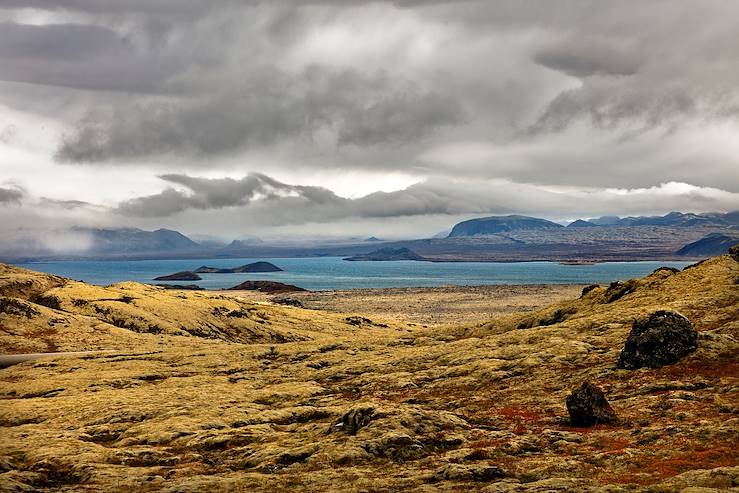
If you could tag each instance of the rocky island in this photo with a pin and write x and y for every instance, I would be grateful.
(386, 254)
(248, 268)
(180, 276)
(271, 287)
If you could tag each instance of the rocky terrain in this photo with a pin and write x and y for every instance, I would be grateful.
(429, 306)
(198, 391)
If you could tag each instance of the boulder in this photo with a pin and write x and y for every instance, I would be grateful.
(588, 289)
(466, 472)
(662, 338)
(588, 406)
(734, 252)
(354, 419)
(398, 447)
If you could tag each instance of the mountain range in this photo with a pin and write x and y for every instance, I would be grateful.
(494, 238)
(675, 219)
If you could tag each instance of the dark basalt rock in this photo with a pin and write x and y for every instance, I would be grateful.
(588, 406)
(734, 252)
(355, 419)
(12, 306)
(588, 289)
(396, 447)
(463, 472)
(618, 290)
(289, 302)
(663, 338)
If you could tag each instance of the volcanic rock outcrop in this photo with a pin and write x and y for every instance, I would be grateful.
(588, 406)
(663, 338)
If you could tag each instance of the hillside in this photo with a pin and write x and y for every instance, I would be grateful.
(120, 241)
(500, 224)
(709, 246)
(579, 223)
(201, 391)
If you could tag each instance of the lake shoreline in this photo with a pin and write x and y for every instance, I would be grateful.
(335, 274)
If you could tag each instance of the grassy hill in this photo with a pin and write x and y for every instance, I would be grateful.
(205, 392)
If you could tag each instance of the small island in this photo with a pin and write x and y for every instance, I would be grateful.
(387, 254)
(248, 268)
(270, 287)
(180, 276)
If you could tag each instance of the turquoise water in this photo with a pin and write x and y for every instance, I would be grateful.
(327, 273)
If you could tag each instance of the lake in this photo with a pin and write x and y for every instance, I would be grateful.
(329, 273)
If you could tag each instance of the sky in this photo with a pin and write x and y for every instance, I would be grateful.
(286, 118)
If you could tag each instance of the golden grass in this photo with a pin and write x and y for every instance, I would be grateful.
(206, 392)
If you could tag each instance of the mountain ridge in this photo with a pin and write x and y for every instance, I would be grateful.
(500, 224)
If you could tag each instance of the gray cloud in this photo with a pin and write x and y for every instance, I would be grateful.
(65, 204)
(12, 195)
(215, 194)
(81, 56)
(259, 199)
(526, 97)
(361, 110)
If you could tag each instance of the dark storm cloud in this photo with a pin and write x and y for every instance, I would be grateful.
(633, 64)
(363, 111)
(11, 195)
(588, 94)
(214, 194)
(79, 56)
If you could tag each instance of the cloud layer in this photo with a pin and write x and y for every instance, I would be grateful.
(267, 201)
(245, 107)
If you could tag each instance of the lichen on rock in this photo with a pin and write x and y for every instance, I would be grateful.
(662, 338)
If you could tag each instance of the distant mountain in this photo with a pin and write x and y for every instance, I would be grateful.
(133, 240)
(385, 254)
(582, 224)
(373, 239)
(711, 245)
(242, 244)
(673, 219)
(442, 234)
(605, 220)
(500, 224)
